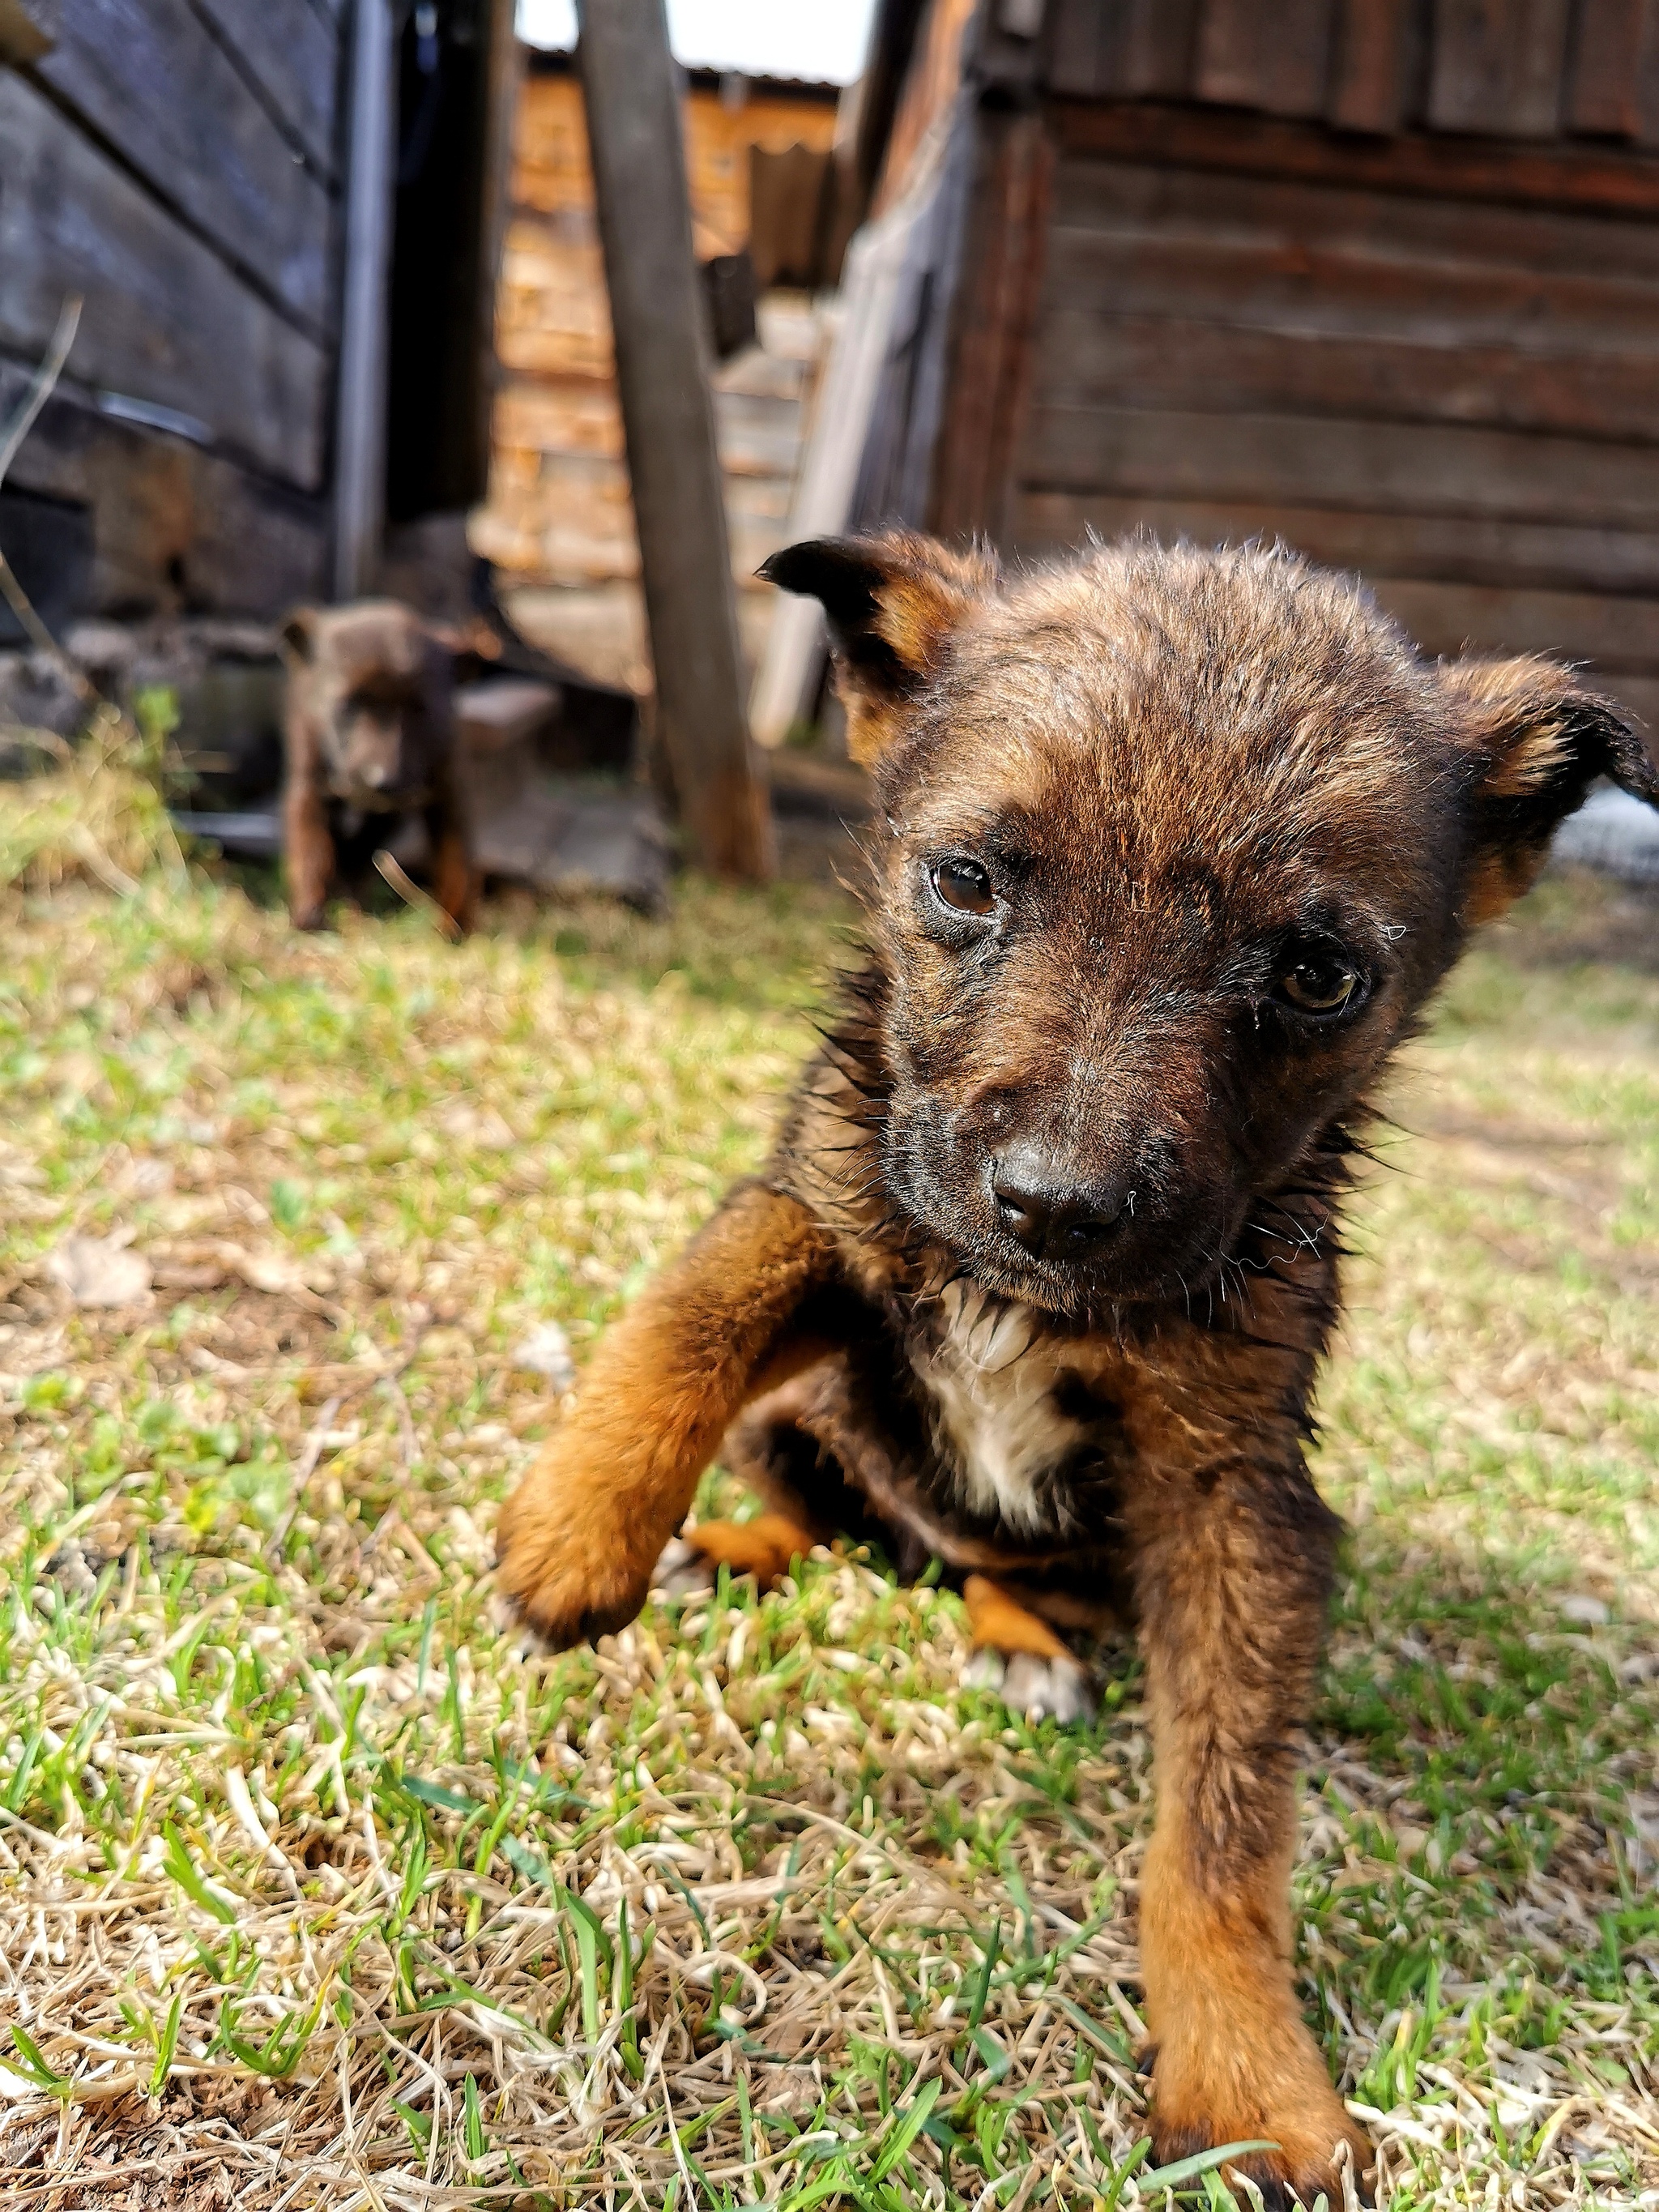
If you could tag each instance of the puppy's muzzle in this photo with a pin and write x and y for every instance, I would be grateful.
(1050, 1214)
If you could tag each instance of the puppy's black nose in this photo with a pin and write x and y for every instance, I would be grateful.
(1053, 1218)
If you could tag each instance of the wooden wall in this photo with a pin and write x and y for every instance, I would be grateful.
(1502, 68)
(1428, 358)
(176, 161)
(558, 522)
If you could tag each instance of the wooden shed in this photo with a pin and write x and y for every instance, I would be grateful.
(281, 217)
(1380, 277)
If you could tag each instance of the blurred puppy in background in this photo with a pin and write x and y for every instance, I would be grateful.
(370, 733)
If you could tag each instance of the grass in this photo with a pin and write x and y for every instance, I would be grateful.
(313, 1893)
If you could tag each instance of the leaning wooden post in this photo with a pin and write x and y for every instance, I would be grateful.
(668, 417)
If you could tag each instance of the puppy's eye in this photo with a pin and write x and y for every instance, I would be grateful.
(964, 886)
(1321, 981)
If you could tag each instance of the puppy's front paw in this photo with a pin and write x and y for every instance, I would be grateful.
(1036, 1687)
(570, 1567)
(1246, 2097)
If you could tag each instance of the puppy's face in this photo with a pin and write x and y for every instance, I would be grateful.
(374, 685)
(1175, 845)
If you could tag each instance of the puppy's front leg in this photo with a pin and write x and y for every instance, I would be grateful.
(307, 848)
(581, 1535)
(454, 872)
(1233, 1569)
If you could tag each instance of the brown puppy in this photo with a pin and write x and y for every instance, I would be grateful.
(370, 737)
(1175, 845)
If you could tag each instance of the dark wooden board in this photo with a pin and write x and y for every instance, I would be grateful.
(1133, 49)
(1154, 52)
(1513, 175)
(1081, 41)
(1387, 467)
(1372, 63)
(1451, 548)
(1090, 359)
(1263, 286)
(1275, 57)
(1616, 635)
(1640, 696)
(1137, 197)
(166, 320)
(162, 91)
(993, 317)
(292, 52)
(242, 545)
(1498, 66)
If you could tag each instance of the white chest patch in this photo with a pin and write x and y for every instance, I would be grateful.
(992, 1382)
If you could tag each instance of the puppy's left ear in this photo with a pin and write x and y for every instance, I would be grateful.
(1540, 738)
(893, 602)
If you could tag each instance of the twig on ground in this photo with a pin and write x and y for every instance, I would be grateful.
(43, 383)
(407, 889)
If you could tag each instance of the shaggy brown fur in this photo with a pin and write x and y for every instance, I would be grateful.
(370, 738)
(1175, 846)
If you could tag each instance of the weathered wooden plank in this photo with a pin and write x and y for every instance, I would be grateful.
(1615, 57)
(1611, 634)
(992, 319)
(1080, 43)
(1385, 467)
(1275, 59)
(292, 52)
(1154, 48)
(1456, 549)
(1498, 66)
(166, 320)
(1640, 694)
(1141, 196)
(171, 524)
(1438, 168)
(1371, 63)
(1267, 287)
(161, 90)
(1088, 359)
(1133, 49)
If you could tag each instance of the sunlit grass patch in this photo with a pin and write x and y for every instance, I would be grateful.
(313, 1888)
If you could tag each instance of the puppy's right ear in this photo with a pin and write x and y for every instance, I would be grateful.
(893, 602)
(299, 634)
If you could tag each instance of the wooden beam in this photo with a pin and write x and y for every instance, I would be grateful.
(360, 433)
(668, 420)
